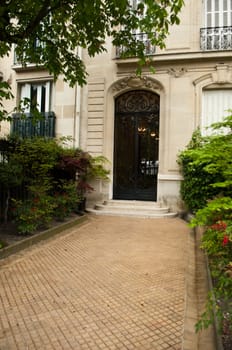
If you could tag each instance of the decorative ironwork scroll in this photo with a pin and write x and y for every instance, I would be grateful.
(217, 38)
(138, 101)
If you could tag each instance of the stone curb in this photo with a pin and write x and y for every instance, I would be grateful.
(29, 241)
(216, 325)
(197, 288)
(207, 337)
(190, 338)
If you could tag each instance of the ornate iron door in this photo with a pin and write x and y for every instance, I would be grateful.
(136, 145)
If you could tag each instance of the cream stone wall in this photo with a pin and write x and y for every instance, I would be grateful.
(176, 122)
(67, 110)
(7, 75)
(182, 70)
(64, 100)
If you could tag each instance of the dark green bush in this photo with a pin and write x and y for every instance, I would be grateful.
(54, 178)
(206, 166)
(196, 187)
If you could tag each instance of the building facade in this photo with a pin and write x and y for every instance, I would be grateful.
(140, 124)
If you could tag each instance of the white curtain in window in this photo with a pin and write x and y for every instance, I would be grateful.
(215, 106)
(39, 93)
(25, 93)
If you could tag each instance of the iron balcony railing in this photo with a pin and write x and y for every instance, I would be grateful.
(28, 126)
(149, 49)
(37, 45)
(217, 38)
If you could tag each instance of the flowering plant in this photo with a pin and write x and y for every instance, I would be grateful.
(217, 243)
(217, 239)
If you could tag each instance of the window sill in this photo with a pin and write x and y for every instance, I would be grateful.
(18, 67)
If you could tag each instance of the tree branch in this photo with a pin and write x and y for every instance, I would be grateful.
(23, 33)
(46, 9)
(33, 24)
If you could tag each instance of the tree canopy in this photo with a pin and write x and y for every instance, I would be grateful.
(49, 32)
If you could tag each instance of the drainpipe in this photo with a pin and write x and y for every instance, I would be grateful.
(77, 109)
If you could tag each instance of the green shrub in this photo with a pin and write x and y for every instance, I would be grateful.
(206, 166)
(46, 167)
(196, 188)
(35, 212)
(10, 177)
(38, 156)
(216, 218)
(77, 164)
(66, 199)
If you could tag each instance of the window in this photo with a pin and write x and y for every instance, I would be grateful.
(38, 94)
(149, 49)
(215, 106)
(37, 45)
(218, 13)
(217, 34)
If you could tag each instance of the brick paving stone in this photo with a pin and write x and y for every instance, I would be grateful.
(113, 283)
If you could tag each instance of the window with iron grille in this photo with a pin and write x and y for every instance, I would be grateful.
(217, 31)
(39, 95)
(149, 48)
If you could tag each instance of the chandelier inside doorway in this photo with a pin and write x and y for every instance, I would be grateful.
(143, 131)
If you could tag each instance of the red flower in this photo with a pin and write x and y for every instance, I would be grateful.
(226, 240)
(219, 226)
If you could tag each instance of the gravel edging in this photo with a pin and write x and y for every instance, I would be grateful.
(29, 241)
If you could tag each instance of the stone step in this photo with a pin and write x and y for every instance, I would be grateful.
(140, 213)
(148, 208)
(131, 203)
(131, 208)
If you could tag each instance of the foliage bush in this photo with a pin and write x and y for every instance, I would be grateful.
(38, 156)
(35, 212)
(207, 164)
(65, 199)
(77, 164)
(10, 177)
(216, 218)
(55, 179)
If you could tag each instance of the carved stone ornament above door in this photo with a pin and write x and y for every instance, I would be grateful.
(177, 72)
(136, 82)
